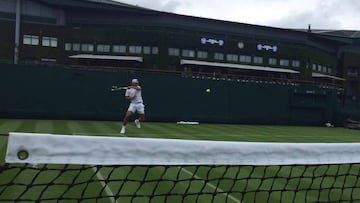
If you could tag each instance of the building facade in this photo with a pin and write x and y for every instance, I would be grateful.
(108, 34)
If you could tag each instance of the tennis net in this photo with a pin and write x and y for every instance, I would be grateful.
(61, 168)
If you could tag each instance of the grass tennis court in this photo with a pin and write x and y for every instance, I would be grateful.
(148, 176)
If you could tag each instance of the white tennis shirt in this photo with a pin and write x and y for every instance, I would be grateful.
(133, 92)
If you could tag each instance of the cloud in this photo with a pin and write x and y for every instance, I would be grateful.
(171, 6)
(160, 5)
(303, 19)
(333, 14)
(355, 4)
(329, 14)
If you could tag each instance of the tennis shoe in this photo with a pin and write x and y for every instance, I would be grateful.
(122, 130)
(137, 123)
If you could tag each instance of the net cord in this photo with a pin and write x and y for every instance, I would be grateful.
(36, 148)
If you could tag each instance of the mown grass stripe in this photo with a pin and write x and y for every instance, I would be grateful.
(84, 127)
(103, 127)
(3, 147)
(115, 126)
(157, 130)
(9, 125)
(60, 127)
(44, 126)
(27, 126)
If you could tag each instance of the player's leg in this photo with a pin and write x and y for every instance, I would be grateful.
(129, 113)
(141, 111)
(141, 117)
(126, 118)
(125, 121)
(137, 121)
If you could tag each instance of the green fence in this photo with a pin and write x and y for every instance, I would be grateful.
(40, 91)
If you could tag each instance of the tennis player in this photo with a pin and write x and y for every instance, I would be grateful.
(133, 93)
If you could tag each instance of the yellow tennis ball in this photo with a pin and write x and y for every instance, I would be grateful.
(207, 90)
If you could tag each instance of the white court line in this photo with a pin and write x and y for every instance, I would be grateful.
(100, 177)
(113, 200)
(108, 191)
(212, 186)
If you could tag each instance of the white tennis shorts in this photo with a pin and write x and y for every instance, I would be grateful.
(139, 108)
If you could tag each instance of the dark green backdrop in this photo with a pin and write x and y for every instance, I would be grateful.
(29, 91)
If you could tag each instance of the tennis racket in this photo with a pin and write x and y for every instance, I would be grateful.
(117, 88)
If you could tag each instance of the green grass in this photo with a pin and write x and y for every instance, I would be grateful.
(287, 178)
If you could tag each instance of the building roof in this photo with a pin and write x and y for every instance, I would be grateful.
(98, 4)
(335, 33)
(110, 2)
(116, 3)
(338, 35)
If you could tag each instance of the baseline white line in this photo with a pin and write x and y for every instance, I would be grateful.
(108, 191)
(212, 186)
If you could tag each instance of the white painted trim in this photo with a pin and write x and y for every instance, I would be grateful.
(319, 75)
(108, 57)
(237, 66)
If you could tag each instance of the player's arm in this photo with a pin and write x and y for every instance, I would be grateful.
(129, 95)
(137, 87)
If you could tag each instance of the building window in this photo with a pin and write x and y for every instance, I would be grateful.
(272, 61)
(49, 42)
(67, 46)
(135, 49)
(48, 60)
(202, 54)
(31, 40)
(232, 57)
(155, 50)
(258, 60)
(147, 50)
(295, 63)
(188, 53)
(76, 47)
(46, 41)
(314, 67)
(245, 59)
(325, 69)
(103, 48)
(284, 62)
(119, 49)
(174, 52)
(319, 68)
(87, 47)
(219, 56)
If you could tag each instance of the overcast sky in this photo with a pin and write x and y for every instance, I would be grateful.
(321, 14)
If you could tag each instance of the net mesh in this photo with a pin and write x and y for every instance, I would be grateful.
(200, 183)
